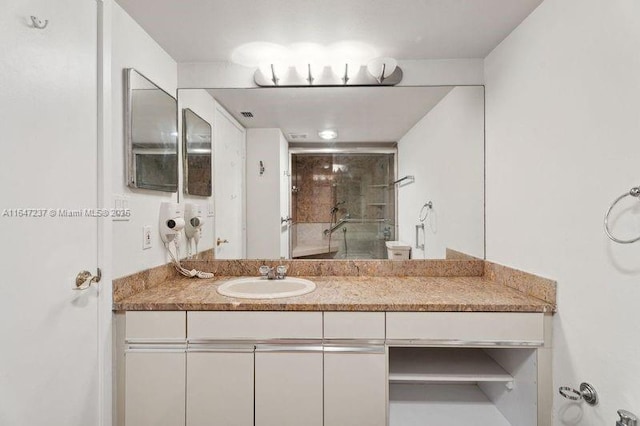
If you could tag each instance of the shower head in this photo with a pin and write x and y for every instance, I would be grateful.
(334, 209)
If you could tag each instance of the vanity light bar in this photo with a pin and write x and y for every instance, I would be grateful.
(290, 77)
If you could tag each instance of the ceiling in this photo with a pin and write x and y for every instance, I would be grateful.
(359, 114)
(209, 30)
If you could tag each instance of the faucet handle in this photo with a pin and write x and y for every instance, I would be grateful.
(627, 418)
(281, 270)
(264, 270)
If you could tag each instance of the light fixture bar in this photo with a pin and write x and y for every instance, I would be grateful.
(306, 78)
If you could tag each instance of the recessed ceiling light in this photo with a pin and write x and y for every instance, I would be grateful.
(328, 134)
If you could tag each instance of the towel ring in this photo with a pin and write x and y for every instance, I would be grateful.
(424, 211)
(633, 192)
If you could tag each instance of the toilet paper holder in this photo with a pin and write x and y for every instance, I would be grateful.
(587, 392)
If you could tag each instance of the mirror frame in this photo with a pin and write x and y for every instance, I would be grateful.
(128, 135)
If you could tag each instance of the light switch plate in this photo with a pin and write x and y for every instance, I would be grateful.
(121, 207)
(146, 237)
(211, 210)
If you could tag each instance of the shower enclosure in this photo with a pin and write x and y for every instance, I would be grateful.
(343, 204)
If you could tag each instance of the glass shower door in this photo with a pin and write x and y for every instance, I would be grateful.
(369, 205)
(344, 205)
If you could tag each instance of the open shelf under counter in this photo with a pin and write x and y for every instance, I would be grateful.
(450, 405)
(444, 365)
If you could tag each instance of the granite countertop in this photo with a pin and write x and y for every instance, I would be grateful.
(345, 293)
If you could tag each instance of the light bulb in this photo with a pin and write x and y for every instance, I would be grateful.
(308, 57)
(348, 56)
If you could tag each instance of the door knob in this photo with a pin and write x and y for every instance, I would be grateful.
(221, 242)
(84, 279)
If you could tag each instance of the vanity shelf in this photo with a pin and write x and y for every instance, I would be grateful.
(458, 386)
(451, 405)
(444, 365)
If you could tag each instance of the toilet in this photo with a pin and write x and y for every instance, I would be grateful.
(397, 250)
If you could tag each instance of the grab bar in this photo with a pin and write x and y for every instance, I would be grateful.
(418, 228)
(408, 177)
(337, 225)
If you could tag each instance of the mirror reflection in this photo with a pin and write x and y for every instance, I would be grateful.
(348, 173)
(151, 135)
(342, 205)
(196, 137)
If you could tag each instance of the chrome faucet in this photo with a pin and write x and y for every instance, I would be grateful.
(270, 273)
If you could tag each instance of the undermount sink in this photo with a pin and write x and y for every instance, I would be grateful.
(262, 288)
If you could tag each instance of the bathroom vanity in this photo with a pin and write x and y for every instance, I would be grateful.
(375, 351)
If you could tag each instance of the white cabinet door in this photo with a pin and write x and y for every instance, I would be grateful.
(155, 388)
(220, 388)
(288, 386)
(355, 386)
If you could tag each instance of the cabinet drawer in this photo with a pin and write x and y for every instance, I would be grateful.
(354, 325)
(254, 325)
(467, 327)
(154, 325)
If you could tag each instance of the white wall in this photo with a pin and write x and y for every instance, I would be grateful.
(563, 140)
(134, 48)
(445, 153)
(200, 102)
(264, 192)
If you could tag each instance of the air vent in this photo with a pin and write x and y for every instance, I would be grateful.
(247, 114)
(297, 136)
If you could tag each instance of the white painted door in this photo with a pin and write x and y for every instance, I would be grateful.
(48, 122)
(285, 191)
(229, 187)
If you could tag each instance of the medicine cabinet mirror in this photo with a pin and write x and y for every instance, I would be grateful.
(196, 146)
(151, 134)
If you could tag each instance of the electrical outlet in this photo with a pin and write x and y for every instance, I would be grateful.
(146, 237)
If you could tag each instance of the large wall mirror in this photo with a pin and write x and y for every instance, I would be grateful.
(196, 148)
(151, 134)
(406, 165)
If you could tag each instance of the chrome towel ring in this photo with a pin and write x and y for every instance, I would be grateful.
(633, 192)
(424, 211)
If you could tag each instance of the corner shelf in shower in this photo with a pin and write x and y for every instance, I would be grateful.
(377, 204)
